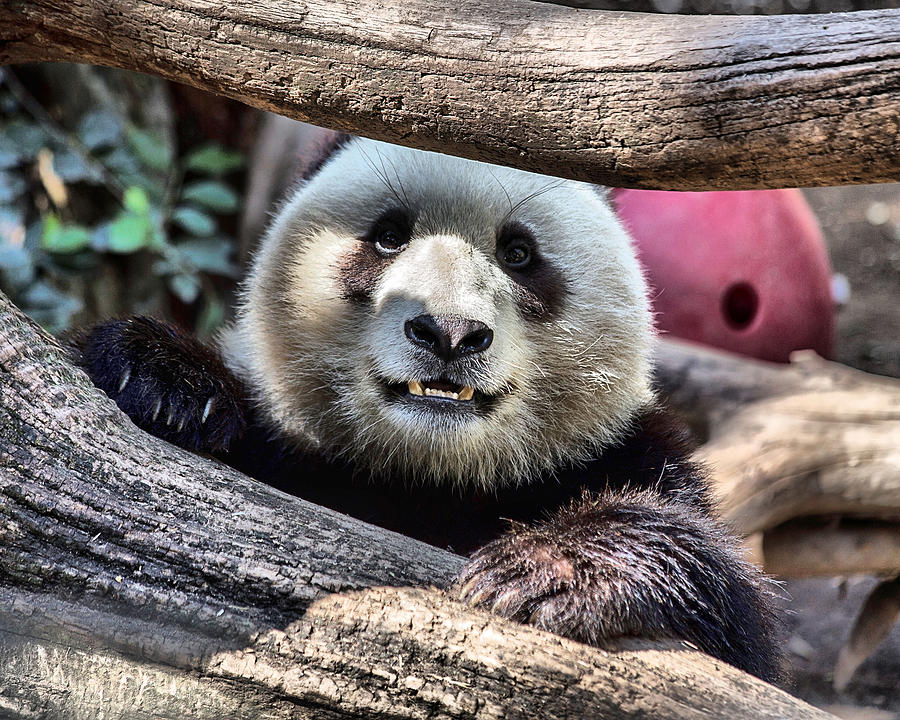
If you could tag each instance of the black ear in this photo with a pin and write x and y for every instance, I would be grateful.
(321, 151)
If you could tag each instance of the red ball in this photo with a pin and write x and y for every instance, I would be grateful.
(746, 271)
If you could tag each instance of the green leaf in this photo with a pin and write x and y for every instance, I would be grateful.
(9, 153)
(213, 160)
(213, 195)
(50, 230)
(100, 129)
(8, 104)
(136, 200)
(16, 267)
(128, 233)
(194, 221)
(50, 307)
(12, 224)
(150, 149)
(59, 238)
(161, 268)
(125, 166)
(186, 287)
(211, 256)
(212, 316)
(12, 185)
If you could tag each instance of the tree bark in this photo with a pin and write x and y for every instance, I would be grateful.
(138, 580)
(670, 102)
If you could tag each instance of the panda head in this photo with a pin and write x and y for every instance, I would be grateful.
(437, 319)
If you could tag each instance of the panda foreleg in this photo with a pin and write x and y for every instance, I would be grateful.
(166, 381)
(629, 564)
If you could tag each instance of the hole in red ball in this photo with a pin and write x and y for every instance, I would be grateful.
(740, 305)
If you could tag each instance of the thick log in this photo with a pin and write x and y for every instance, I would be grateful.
(638, 100)
(138, 580)
(787, 441)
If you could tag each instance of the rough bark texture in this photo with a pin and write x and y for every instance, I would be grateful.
(670, 102)
(802, 549)
(137, 580)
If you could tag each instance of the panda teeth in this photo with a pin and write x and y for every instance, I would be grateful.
(465, 393)
(441, 394)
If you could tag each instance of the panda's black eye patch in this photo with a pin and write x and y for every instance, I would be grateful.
(538, 286)
(391, 232)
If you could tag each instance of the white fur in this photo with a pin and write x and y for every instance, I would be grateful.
(569, 383)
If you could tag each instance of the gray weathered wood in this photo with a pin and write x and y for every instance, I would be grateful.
(139, 581)
(671, 102)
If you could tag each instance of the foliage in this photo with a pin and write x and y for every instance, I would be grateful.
(104, 188)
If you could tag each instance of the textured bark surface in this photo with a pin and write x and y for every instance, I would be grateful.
(672, 102)
(139, 581)
(803, 549)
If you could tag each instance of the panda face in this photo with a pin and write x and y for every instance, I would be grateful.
(442, 320)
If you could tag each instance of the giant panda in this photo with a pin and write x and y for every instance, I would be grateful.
(462, 353)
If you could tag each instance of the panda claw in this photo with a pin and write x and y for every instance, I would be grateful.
(156, 409)
(207, 409)
(123, 381)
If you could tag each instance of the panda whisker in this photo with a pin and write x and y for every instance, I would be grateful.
(406, 203)
(503, 188)
(532, 196)
(522, 354)
(382, 176)
(590, 347)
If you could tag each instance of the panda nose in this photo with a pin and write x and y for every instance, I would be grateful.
(449, 336)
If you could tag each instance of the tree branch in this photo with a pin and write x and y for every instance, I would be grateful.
(671, 102)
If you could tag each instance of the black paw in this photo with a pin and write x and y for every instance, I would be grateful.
(631, 565)
(168, 383)
(526, 576)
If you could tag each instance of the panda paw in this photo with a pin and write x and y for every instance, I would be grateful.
(633, 564)
(168, 383)
(531, 578)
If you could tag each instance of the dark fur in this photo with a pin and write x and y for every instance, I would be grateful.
(359, 272)
(150, 369)
(326, 152)
(621, 546)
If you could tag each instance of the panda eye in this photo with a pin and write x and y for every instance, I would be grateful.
(390, 233)
(515, 247)
(516, 256)
(389, 241)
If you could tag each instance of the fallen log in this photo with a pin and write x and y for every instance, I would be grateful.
(787, 441)
(138, 580)
(628, 99)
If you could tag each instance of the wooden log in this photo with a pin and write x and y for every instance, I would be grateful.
(796, 550)
(638, 100)
(138, 580)
(787, 441)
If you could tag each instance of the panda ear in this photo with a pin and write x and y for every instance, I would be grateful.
(321, 145)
